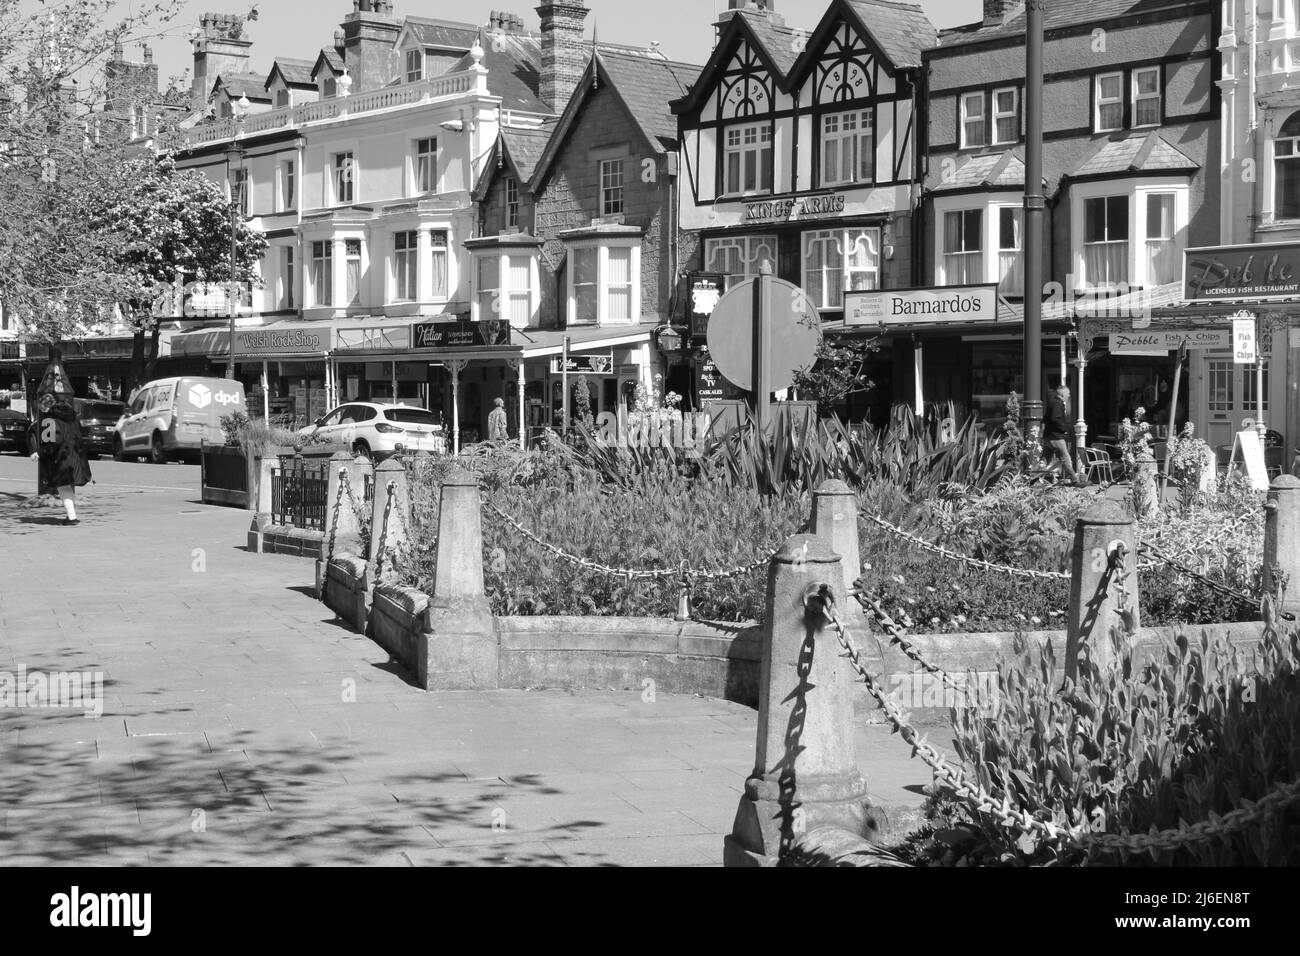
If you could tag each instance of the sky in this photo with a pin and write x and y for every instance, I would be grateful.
(299, 28)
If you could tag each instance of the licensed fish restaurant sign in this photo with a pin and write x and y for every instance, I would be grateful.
(1161, 342)
(1256, 272)
(461, 334)
(941, 304)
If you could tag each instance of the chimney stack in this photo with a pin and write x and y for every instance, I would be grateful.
(564, 54)
(219, 47)
(998, 12)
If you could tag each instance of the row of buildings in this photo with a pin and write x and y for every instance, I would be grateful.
(453, 208)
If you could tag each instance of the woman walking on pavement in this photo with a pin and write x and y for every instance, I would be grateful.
(63, 466)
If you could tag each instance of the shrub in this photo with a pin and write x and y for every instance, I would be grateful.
(1187, 737)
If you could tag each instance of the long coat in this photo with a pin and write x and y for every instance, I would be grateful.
(62, 458)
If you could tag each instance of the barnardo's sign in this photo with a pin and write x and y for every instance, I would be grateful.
(1162, 341)
(1256, 272)
(975, 303)
(294, 340)
(461, 334)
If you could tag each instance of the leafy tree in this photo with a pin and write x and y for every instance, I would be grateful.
(57, 277)
(167, 223)
(839, 371)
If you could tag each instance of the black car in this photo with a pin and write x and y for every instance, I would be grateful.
(99, 420)
(13, 431)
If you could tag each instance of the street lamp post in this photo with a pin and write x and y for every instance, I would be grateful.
(1032, 406)
(235, 153)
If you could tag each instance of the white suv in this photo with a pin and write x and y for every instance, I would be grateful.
(378, 431)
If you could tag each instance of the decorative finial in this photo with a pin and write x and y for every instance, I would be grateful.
(476, 53)
(345, 83)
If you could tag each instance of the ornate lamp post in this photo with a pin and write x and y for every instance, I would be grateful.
(1032, 406)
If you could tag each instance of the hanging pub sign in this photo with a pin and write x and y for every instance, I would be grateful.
(584, 365)
(706, 289)
(1244, 351)
(1255, 272)
(462, 334)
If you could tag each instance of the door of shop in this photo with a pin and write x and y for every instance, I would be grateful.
(1231, 397)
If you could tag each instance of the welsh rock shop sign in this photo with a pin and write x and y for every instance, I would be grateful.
(288, 341)
(1235, 273)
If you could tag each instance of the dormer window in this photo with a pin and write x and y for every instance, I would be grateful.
(414, 66)
(281, 98)
(329, 87)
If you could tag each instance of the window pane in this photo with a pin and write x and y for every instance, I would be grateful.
(1112, 116)
(1110, 86)
(1117, 218)
(585, 266)
(489, 272)
(1160, 217)
(1288, 189)
(619, 267)
(1146, 81)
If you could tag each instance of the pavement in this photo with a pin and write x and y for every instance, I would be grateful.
(241, 724)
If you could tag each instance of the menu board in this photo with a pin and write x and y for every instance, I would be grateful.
(710, 386)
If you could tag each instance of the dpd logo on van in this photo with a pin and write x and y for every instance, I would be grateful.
(201, 397)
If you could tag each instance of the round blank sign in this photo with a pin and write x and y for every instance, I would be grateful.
(795, 333)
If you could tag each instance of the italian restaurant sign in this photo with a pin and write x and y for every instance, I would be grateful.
(461, 334)
(1248, 272)
(976, 303)
(1159, 342)
(790, 210)
(297, 340)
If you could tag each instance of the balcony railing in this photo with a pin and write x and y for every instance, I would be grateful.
(374, 101)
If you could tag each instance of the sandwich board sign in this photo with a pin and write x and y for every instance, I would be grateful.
(1252, 454)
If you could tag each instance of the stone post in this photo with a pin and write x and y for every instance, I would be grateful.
(1103, 591)
(342, 519)
(806, 771)
(458, 649)
(835, 521)
(263, 474)
(1282, 539)
(1145, 497)
(390, 532)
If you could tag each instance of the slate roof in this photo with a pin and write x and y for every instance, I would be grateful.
(513, 62)
(329, 57)
(990, 171)
(647, 85)
(1135, 154)
(252, 85)
(295, 73)
(449, 34)
(777, 42)
(902, 30)
(1058, 13)
(526, 146)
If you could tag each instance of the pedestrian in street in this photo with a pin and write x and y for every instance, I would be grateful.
(1056, 429)
(497, 430)
(62, 463)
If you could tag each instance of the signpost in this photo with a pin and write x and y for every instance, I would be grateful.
(760, 334)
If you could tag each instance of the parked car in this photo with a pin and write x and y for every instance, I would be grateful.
(13, 431)
(379, 431)
(173, 417)
(99, 420)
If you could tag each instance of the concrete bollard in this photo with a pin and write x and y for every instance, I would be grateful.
(806, 770)
(391, 534)
(458, 649)
(1282, 539)
(835, 521)
(1103, 592)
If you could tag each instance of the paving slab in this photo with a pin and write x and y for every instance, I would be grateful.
(226, 739)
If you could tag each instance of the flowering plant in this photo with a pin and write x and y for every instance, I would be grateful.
(1134, 439)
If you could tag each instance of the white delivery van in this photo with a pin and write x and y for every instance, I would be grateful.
(173, 417)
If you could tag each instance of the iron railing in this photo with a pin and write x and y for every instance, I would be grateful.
(299, 489)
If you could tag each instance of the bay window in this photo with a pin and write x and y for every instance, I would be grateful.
(404, 266)
(604, 282)
(840, 260)
(748, 159)
(438, 264)
(322, 272)
(1105, 243)
(505, 285)
(740, 257)
(1011, 254)
(963, 247)
(848, 148)
(352, 271)
(1286, 170)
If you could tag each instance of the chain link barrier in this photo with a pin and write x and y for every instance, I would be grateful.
(1279, 799)
(683, 573)
(943, 552)
(1245, 600)
(383, 534)
(334, 521)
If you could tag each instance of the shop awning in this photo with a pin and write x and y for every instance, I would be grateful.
(274, 341)
(542, 343)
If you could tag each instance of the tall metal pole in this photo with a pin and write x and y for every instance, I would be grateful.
(762, 345)
(1032, 405)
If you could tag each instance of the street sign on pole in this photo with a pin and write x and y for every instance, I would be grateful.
(793, 332)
